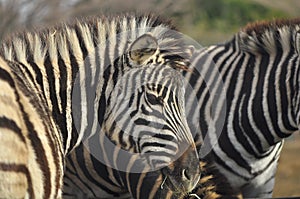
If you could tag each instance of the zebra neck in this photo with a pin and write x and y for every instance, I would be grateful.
(296, 92)
(263, 97)
(260, 94)
(72, 82)
(90, 96)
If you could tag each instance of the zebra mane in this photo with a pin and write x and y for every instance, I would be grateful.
(270, 36)
(92, 31)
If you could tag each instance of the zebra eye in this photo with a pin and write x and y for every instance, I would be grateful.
(154, 100)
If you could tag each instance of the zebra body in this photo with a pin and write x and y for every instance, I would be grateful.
(247, 98)
(109, 84)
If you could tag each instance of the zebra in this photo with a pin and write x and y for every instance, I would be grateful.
(247, 101)
(84, 178)
(111, 84)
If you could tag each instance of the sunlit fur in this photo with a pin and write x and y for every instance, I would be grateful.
(31, 157)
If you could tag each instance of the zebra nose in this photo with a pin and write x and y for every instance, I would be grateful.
(183, 174)
(184, 180)
(190, 178)
(186, 174)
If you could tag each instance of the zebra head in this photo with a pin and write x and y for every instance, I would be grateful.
(147, 115)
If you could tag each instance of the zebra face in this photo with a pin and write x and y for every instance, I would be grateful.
(147, 117)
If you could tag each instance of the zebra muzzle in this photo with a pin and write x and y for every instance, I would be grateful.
(183, 174)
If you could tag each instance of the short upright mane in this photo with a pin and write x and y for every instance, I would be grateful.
(94, 31)
(264, 36)
(261, 26)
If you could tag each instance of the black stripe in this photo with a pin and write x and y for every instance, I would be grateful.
(130, 143)
(105, 78)
(51, 83)
(228, 46)
(4, 75)
(38, 149)
(17, 69)
(257, 110)
(143, 122)
(294, 88)
(224, 140)
(41, 157)
(137, 104)
(38, 74)
(34, 139)
(99, 167)
(20, 168)
(285, 82)
(203, 125)
(61, 121)
(37, 102)
(271, 100)
(241, 133)
(10, 124)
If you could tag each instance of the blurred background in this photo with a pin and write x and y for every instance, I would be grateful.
(206, 21)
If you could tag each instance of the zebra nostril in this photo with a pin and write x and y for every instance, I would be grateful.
(186, 175)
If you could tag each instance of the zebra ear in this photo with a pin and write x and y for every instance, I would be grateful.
(297, 42)
(143, 48)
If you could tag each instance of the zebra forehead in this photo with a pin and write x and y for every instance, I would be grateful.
(155, 79)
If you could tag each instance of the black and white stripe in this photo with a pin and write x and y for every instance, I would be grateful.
(31, 154)
(247, 102)
(111, 85)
